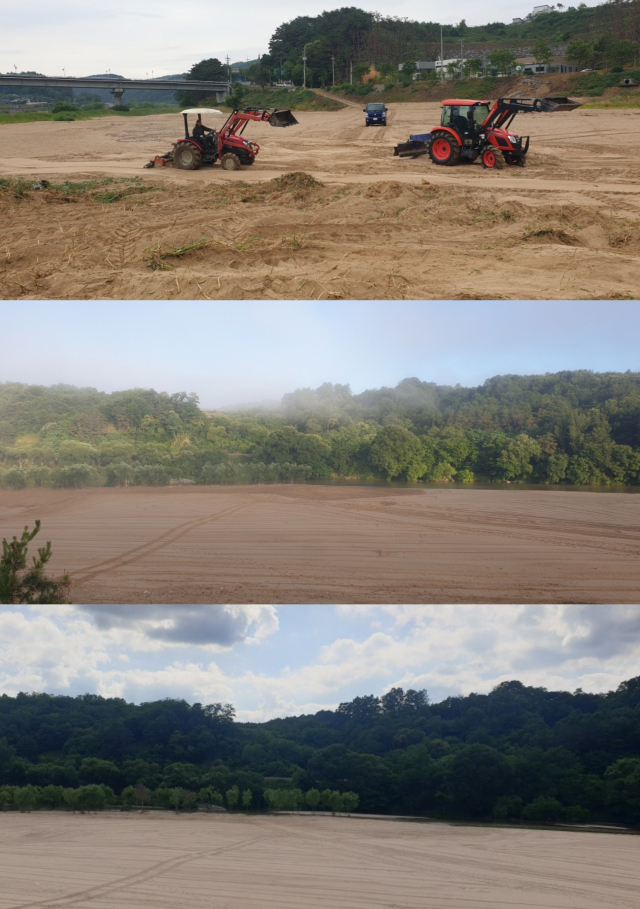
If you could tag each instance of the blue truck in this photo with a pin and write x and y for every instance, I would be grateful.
(375, 114)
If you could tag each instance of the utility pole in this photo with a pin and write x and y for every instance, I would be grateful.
(441, 54)
(333, 70)
(351, 72)
(304, 67)
(228, 69)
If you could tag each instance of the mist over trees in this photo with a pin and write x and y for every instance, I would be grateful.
(574, 428)
(519, 752)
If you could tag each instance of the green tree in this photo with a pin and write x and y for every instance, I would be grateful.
(350, 801)
(621, 52)
(25, 798)
(232, 797)
(20, 583)
(120, 474)
(623, 789)
(515, 461)
(580, 52)
(503, 60)
(246, 799)
(543, 809)
(141, 794)
(542, 52)
(474, 66)
(396, 451)
(409, 69)
(210, 70)
(14, 478)
(312, 798)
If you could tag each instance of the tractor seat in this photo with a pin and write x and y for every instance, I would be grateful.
(460, 124)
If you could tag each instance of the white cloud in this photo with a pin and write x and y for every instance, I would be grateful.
(447, 650)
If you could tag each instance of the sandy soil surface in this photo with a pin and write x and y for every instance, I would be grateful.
(320, 544)
(566, 226)
(213, 862)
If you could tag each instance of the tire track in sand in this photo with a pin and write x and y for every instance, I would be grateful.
(139, 552)
(131, 880)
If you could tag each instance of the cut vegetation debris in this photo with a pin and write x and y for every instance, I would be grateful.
(162, 251)
(109, 189)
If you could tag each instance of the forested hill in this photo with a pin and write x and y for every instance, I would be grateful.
(355, 37)
(518, 752)
(574, 427)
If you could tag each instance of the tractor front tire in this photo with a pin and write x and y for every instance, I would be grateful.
(230, 162)
(491, 159)
(444, 150)
(187, 156)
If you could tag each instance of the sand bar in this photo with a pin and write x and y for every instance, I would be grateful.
(55, 861)
(334, 544)
(566, 226)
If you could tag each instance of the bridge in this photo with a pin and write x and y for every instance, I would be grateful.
(117, 86)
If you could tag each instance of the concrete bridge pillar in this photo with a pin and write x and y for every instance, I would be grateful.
(117, 94)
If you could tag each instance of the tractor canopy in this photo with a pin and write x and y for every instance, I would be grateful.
(459, 103)
(201, 110)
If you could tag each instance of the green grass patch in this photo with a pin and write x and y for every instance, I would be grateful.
(105, 190)
(595, 84)
(282, 98)
(628, 98)
(142, 110)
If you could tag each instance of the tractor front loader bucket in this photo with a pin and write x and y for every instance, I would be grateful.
(555, 105)
(282, 118)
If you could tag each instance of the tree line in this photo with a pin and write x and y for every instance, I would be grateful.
(520, 753)
(575, 428)
(347, 42)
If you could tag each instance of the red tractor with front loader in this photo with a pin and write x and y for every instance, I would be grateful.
(477, 129)
(226, 145)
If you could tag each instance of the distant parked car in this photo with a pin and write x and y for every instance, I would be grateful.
(375, 114)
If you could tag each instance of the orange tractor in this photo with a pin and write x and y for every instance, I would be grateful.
(227, 145)
(476, 129)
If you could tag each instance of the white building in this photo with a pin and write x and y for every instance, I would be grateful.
(538, 10)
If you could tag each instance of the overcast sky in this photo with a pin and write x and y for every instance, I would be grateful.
(136, 37)
(285, 660)
(237, 352)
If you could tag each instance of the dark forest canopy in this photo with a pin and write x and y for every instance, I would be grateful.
(574, 427)
(516, 753)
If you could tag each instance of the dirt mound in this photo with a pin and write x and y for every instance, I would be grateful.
(386, 190)
(296, 181)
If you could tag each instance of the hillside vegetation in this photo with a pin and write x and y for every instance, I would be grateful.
(605, 35)
(517, 753)
(571, 427)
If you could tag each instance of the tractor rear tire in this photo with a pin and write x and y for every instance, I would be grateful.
(187, 156)
(230, 162)
(443, 149)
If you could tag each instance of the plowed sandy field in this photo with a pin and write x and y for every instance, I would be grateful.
(215, 862)
(319, 544)
(377, 227)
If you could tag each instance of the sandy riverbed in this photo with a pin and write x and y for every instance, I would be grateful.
(566, 226)
(214, 862)
(319, 544)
